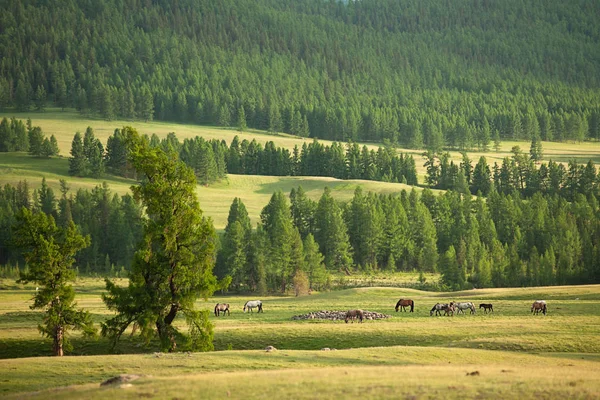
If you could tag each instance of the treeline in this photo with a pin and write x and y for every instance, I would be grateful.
(506, 241)
(113, 223)
(418, 73)
(15, 136)
(211, 160)
(518, 173)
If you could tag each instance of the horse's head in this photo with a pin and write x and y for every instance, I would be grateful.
(244, 308)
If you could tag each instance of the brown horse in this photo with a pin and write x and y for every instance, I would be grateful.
(539, 305)
(486, 307)
(222, 308)
(403, 303)
(449, 309)
(354, 314)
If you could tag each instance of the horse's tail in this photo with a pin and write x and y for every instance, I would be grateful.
(245, 306)
(260, 306)
(412, 306)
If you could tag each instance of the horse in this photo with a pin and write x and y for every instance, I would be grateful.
(222, 307)
(461, 307)
(439, 307)
(449, 309)
(353, 314)
(403, 303)
(253, 304)
(486, 307)
(539, 305)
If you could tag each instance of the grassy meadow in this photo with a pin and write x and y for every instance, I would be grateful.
(63, 125)
(409, 354)
(215, 199)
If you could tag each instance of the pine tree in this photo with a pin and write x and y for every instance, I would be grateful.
(242, 125)
(54, 146)
(36, 141)
(78, 164)
(173, 266)
(482, 180)
(40, 98)
(50, 253)
(331, 233)
(313, 260)
(535, 150)
(23, 95)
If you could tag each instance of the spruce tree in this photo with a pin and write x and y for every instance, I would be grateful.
(78, 164)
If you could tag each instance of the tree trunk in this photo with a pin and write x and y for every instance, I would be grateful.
(57, 346)
(163, 327)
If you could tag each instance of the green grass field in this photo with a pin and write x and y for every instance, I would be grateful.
(215, 199)
(410, 354)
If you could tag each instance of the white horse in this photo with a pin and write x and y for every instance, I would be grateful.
(461, 307)
(253, 304)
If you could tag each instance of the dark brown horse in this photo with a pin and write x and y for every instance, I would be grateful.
(222, 308)
(403, 303)
(539, 305)
(354, 314)
(486, 307)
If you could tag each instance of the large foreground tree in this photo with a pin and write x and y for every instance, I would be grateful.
(173, 266)
(50, 253)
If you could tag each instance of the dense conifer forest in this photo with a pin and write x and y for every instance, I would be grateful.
(418, 73)
(504, 241)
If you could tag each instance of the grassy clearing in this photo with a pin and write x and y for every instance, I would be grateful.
(215, 200)
(410, 354)
(570, 326)
(64, 125)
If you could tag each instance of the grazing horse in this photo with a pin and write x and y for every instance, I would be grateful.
(222, 308)
(439, 307)
(539, 305)
(449, 309)
(461, 307)
(354, 314)
(253, 304)
(403, 303)
(486, 307)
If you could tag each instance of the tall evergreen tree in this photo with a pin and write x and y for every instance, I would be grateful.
(50, 254)
(173, 266)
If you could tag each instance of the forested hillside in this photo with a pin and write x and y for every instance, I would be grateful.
(422, 73)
